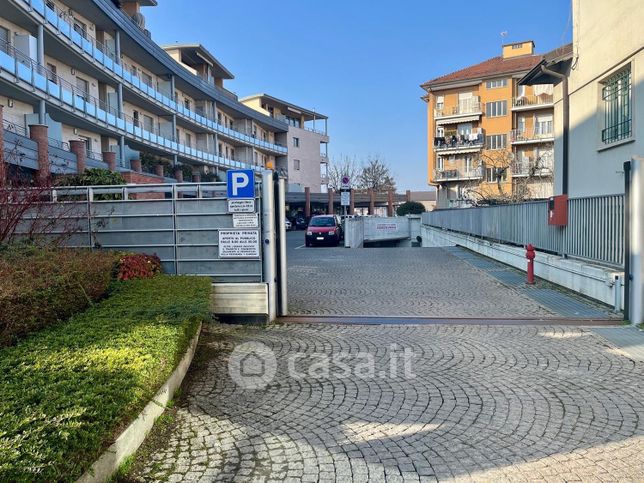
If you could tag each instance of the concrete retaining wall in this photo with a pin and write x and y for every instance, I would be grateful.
(594, 281)
(354, 232)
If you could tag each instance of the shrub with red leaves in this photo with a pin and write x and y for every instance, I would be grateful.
(138, 265)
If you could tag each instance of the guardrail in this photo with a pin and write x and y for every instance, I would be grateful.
(595, 229)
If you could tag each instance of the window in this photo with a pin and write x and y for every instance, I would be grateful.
(231, 125)
(5, 38)
(493, 84)
(219, 149)
(296, 142)
(178, 137)
(81, 28)
(516, 46)
(496, 108)
(496, 141)
(296, 164)
(492, 174)
(186, 103)
(88, 143)
(133, 70)
(543, 125)
(440, 164)
(51, 73)
(147, 78)
(440, 132)
(617, 100)
(135, 115)
(82, 88)
(50, 5)
(219, 117)
(291, 121)
(440, 102)
(148, 123)
(232, 153)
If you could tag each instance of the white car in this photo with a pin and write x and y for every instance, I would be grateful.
(288, 224)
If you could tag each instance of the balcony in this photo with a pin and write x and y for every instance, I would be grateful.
(101, 55)
(529, 166)
(470, 108)
(454, 143)
(525, 103)
(44, 84)
(537, 135)
(458, 174)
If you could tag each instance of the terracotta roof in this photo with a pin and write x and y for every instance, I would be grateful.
(490, 67)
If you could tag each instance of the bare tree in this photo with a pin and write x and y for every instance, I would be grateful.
(376, 175)
(503, 185)
(347, 166)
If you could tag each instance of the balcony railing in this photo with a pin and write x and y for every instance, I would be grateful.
(533, 101)
(15, 127)
(458, 174)
(47, 85)
(465, 106)
(95, 50)
(460, 141)
(528, 135)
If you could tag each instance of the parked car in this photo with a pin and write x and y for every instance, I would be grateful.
(301, 223)
(324, 230)
(288, 225)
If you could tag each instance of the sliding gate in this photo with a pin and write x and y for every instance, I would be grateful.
(192, 227)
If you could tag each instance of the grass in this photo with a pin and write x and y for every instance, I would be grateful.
(68, 390)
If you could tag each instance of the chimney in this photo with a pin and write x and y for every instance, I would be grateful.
(518, 49)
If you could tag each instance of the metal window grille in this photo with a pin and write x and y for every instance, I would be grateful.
(616, 96)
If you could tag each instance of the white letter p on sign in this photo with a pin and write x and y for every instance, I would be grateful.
(240, 181)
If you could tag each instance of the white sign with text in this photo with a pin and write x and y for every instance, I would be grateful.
(241, 206)
(238, 243)
(245, 220)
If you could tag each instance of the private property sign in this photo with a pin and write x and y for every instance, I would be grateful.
(239, 244)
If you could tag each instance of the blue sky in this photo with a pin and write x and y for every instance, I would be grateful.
(359, 62)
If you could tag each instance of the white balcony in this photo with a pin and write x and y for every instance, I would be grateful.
(526, 103)
(529, 136)
(458, 174)
(466, 108)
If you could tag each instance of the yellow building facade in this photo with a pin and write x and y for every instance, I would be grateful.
(489, 139)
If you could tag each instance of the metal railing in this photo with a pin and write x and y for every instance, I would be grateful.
(464, 106)
(57, 143)
(528, 166)
(94, 155)
(529, 101)
(15, 127)
(106, 58)
(595, 229)
(538, 134)
(457, 174)
(476, 140)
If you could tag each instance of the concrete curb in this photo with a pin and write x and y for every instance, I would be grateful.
(133, 436)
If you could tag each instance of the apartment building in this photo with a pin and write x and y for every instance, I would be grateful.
(90, 72)
(601, 76)
(490, 139)
(308, 142)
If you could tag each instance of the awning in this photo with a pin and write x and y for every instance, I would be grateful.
(457, 120)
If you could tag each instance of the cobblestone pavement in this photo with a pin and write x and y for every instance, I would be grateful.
(485, 403)
(421, 282)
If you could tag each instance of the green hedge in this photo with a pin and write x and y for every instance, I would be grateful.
(69, 389)
(40, 286)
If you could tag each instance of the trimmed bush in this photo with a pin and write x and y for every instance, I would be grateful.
(410, 208)
(138, 265)
(39, 287)
(68, 390)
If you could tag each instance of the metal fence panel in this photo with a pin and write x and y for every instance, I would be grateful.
(595, 229)
(180, 223)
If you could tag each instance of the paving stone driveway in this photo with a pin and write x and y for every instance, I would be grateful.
(487, 403)
(421, 282)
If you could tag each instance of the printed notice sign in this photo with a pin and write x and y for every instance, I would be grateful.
(386, 227)
(345, 198)
(241, 206)
(238, 243)
(245, 220)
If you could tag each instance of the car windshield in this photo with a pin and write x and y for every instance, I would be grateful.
(325, 221)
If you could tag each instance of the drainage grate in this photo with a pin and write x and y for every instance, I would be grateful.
(562, 304)
(506, 277)
(629, 339)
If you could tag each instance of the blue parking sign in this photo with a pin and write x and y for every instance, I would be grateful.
(241, 183)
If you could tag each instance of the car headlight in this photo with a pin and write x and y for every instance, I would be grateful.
(309, 233)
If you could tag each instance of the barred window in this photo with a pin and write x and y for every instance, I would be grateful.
(617, 97)
(496, 141)
(496, 108)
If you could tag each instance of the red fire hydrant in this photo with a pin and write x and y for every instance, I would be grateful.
(530, 255)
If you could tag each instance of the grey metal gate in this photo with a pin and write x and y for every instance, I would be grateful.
(180, 223)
